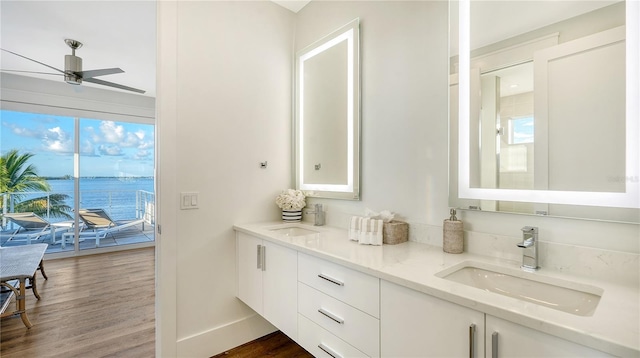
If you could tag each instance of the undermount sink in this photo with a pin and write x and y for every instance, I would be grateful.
(292, 231)
(566, 296)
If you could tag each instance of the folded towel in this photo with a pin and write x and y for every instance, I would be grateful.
(371, 232)
(354, 228)
(366, 231)
(365, 237)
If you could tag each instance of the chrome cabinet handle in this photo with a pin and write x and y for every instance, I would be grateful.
(259, 257)
(494, 345)
(264, 258)
(472, 340)
(331, 316)
(331, 279)
(329, 351)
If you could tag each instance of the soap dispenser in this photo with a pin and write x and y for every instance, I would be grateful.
(453, 235)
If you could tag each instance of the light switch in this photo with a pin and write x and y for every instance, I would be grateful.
(188, 200)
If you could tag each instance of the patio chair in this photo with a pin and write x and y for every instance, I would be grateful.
(30, 227)
(98, 225)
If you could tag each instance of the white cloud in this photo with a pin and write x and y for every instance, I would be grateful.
(111, 139)
(24, 132)
(142, 154)
(57, 140)
(111, 133)
(87, 148)
(131, 141)
(110, 150)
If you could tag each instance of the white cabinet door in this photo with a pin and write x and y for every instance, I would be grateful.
(280, 287)
(507, 339)
(268, 281)
(249, 271)
(413, 324)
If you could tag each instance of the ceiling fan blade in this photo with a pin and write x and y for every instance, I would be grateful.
(95, 73)
(111, 84)
(30, 59)
(36, 72)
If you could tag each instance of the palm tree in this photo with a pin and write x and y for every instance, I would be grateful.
(17, 177)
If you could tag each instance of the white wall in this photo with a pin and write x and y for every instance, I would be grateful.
(404, 103)
(225, 105)
(225, 71)
(405, 131)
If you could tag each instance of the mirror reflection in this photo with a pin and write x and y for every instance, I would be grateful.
(546, 112)
(327, 115)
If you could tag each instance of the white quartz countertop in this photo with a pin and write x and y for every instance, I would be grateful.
(614, 327)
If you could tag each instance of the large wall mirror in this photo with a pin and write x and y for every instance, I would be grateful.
(544, 108)
(327, 115)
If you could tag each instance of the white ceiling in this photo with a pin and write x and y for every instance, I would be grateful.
(114, 34)
(123, 33)
(293, 5)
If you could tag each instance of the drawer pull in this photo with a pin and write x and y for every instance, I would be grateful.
(331, 316)
(494, 345)
(331, 279)
(472, 340)
(259, 258)
(329, 351)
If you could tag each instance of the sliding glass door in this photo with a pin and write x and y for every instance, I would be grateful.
(36, 178)
(116, 182)
(75, 183)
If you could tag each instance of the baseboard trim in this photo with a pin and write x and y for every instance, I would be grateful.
(224, 337)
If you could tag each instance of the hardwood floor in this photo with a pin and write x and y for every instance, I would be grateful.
(103, 306)
(276, 344)
(91, 306)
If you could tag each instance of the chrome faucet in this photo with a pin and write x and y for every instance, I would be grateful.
(318, 212)
(529, 245)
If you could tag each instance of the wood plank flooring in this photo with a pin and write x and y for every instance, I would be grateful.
(92, 306)
(276, 345)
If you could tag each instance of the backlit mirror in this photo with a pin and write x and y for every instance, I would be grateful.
(327, 115)
(544, 109)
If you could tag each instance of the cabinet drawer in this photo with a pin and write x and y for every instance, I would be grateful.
(321, 343)
(352, 325)
(355, 288)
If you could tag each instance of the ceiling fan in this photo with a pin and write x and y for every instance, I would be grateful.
(73, 73)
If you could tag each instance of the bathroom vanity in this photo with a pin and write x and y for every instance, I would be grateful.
(338, 298)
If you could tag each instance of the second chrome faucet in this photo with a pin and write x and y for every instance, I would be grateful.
(318, 214)
(529, 245)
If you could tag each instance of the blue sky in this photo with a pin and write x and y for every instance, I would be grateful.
(107, 148)
(522, 130)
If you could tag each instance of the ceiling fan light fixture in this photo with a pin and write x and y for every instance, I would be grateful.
(73, 73)
(74, 44)
(72, 64)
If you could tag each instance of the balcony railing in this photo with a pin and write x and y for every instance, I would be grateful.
(121, 205)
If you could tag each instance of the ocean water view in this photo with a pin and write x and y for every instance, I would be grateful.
(120, 197)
